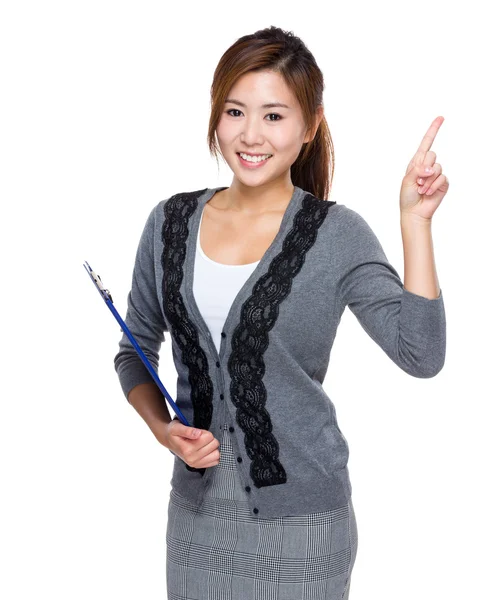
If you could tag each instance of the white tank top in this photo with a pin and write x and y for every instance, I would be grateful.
(215, 287)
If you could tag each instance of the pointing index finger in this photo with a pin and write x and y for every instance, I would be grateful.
(430, 135)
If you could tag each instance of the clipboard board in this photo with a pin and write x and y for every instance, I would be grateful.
(106, 295)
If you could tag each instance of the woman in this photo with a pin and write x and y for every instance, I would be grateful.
(251, 281)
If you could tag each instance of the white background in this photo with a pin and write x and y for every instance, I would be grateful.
(104, 112)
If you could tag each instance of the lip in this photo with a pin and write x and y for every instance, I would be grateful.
(251, 165)
(254, 153)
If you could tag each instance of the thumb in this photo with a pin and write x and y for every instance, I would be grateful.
(194, 432)
(189, 432)
(186, 431)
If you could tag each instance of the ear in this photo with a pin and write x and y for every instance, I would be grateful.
(319, 114)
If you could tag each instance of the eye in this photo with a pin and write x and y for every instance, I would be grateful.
(231, 110)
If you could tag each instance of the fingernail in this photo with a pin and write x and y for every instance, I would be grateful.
(428, 170)
(196, 431)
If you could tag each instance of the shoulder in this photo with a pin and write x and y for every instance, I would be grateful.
(346, 234)
(340, 219)
(179, 200)
(178, 205)
(169, 210)
(353, 240)
(348, 221)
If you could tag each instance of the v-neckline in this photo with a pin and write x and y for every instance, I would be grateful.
(258, 271)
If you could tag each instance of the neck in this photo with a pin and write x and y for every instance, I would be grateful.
(274, 195)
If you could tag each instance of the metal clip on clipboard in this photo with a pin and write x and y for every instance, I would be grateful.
(106, 295)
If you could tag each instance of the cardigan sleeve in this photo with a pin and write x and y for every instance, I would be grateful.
(411, 329)
(143, 318)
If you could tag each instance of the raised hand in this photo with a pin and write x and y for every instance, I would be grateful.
(422, 192)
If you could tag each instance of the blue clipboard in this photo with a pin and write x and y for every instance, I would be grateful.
(109, 301)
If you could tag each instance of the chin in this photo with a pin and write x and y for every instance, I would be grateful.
(253, 181)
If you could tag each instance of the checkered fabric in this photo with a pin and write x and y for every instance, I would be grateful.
(221, 551)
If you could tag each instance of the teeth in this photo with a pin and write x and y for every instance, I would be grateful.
(254, 159)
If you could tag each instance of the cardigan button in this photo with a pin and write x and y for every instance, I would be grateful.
(247, 488)
(231, 429)
(218, 364)
(255, 510)
(224, 334)
(239, 459)
(221, 396)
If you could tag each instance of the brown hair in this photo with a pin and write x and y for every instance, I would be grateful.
(282, 52)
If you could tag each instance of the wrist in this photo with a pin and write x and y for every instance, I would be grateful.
(160, 431)
(411, 219)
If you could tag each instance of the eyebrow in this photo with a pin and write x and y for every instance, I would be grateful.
(268, 105)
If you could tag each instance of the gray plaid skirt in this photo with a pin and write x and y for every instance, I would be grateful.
(221, 551)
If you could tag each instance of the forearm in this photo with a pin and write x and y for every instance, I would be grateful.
(420, 274)
(149, 402)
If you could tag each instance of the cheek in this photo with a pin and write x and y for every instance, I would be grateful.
(286, 142)
(286, 138)
(225, 131)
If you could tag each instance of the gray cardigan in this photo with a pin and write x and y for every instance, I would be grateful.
(266, 382)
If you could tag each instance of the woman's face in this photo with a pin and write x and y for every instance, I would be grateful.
(248, 126)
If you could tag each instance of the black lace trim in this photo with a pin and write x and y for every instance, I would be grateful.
(178, 210)
(251, 337)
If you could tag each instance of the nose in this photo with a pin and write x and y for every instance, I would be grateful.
(251, 134)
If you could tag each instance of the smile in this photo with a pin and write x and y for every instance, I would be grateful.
(253, 162)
